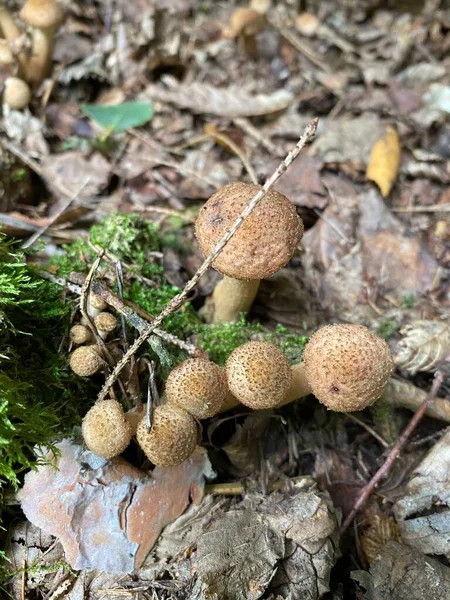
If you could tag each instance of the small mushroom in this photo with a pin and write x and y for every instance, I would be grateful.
(95, 305)
(245, 24)
(79, 334)
(172, 438)
(105, 323)
(6, 57)
(106, 431)
(43, 16)
(197, 385)
(262, 245)
(17, 93)
(259, 375)
(85, 361)
(8, 26)
(347, 366)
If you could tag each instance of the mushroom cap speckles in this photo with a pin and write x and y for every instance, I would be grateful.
(79, 334)
(42, 14)
(265, 241)
(17, 93)
(85, 361)
(106, 432)
(347, 366)
(105, 322)
(259, 375)
(172, 438)
(199, 386)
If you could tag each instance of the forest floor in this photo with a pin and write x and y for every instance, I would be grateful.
(223, 96)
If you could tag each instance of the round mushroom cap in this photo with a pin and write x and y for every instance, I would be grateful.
(347, 366)
(172, 438)
(197, 385)
(17, 93)
(6, 56)
(105, 322)
(79, 334)
(259, 375)
(97, 302)
(265, 241)
(42, 14)
(246, 21)
(85, 361)
(105, 429)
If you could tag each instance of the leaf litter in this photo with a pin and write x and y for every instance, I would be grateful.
(375, 252)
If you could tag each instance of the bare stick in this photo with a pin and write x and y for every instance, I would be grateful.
(136, 321)
(396, 449)
(182, 297)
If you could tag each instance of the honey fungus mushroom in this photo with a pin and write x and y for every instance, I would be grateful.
(17, 94)
(43, 16)
(259, 375)
(172, 438)
(105, 323)
(105, 429)
(347, 366)
(197, 385)
(85, 361)
(79, 334)
(263, 244)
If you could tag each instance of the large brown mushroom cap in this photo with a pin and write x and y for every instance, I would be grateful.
(197, 385)
(106, 432)
(172, 438)
(347, 366)
(258, 375)
(264, 243)
(42, 14)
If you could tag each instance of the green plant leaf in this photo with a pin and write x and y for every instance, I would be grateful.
(119, 117)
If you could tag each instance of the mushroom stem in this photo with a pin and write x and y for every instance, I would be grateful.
(8, 25)
(231, 297)
(39, 63)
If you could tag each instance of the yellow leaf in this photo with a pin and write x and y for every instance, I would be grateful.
(385, 161)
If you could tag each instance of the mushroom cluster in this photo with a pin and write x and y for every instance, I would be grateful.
(24, 69)
(86, 359)
(345, 366)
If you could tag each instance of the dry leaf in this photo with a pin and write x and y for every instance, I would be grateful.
(224, 102)
(109, 514)
(424, 346)
(385, 161)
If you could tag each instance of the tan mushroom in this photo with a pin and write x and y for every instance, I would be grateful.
(17, 93)
(106, 431)
(197, 385)
(43, 16)
(85, 361)
(172, 438)
(79, 334)
(259, 375)
(8, 25)
(105, 323)
(347, 366)
(245, 24)
(264, 243)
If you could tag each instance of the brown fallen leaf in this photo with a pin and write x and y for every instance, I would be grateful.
(109, 514)
(385, 161)
(424, 345)
(230, 102)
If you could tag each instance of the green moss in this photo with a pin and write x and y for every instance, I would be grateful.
(221, 339)
(387, 327)
(409, 300)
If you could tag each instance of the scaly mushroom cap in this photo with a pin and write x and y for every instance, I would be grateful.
(79, 334)
(172, 438)
(97, 302)
(347, 366)
(42, 14)
(197, 385)
(85, 361)
(17, 93)
(258, 375)
(264, 243)
(105, 322)
(105, 430)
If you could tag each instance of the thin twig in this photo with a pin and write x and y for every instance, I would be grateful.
(182, 297)
(40, 232)
(256, 134)
(369, 429)
(226, 141)
(396, 449)
(136, 321)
